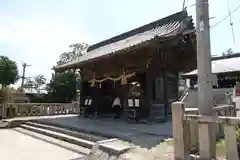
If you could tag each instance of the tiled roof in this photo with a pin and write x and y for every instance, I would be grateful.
(222, 66)
(163, 28)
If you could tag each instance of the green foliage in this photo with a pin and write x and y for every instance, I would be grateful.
(62, 87)
(228, 52)
(7, 93)
(77, 50)
(38, 82)
(8, 71)
(238, 133)
(29, 84)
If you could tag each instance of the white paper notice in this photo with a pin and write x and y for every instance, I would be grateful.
(86, 102)
(90, 102)
(130, 102)
(136, 102)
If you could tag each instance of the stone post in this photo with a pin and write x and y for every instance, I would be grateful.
(179, 133)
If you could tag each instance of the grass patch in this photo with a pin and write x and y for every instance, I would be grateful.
(221, 148)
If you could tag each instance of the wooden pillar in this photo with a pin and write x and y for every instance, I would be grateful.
(164, 77)
(148, 86)
(78, 74)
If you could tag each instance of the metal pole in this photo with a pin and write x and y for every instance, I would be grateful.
(23, 74)
(205, 91)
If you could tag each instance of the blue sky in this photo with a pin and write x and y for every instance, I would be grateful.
(38, 31)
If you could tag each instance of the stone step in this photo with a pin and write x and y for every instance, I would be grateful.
(61, 136)
(70, 132)
(76, 129)
(57, 142)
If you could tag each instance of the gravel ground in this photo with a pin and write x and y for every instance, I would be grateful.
(163, 151)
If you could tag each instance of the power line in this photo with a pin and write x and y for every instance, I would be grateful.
(223, 66)
(231, 23)
(226, 16)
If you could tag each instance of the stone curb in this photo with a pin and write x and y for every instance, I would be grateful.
(4, 125)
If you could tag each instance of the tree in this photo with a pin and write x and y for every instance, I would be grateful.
(77, 50)
(39, 82)
(29, 84)
(65, 57)
(8, 71)
(62, 87)
(228, 52)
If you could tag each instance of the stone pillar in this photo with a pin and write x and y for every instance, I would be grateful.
(78, 75)
(179, 131)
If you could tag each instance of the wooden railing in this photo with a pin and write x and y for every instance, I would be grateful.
(186, 126)
(37, 109)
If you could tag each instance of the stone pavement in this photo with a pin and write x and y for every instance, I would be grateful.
(145, 138)
(17, 146)
(135, 154)
(142, 135)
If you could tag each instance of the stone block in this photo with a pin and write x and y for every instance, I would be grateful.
(110, 149)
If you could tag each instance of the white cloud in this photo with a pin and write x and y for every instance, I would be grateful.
(39, 40)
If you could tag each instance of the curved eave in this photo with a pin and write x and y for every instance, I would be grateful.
(164, 32)
(77, 64)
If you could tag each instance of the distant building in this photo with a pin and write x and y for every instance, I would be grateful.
(225, 69)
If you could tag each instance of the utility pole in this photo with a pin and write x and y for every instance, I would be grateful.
(24, 65)
(205, 91)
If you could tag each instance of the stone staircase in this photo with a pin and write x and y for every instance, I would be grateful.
(78, 142)
(85, 144)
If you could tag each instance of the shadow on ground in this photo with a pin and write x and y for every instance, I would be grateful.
(143, 135)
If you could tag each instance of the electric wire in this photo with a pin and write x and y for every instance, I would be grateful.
(231, 23)
(226, 17)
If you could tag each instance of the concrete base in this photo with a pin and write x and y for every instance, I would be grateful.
(112, 149)
(4, 125)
